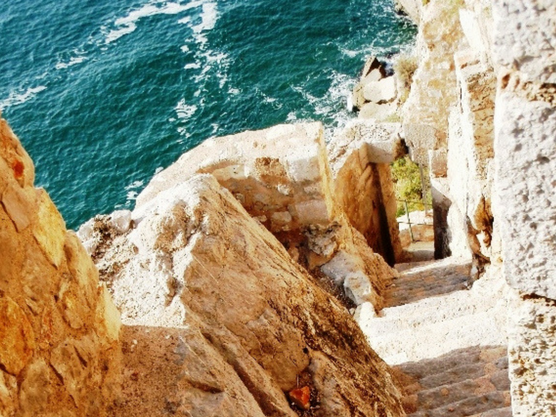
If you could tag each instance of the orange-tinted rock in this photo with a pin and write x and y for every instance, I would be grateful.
(18, 168)
(301, 397)
(16, 337)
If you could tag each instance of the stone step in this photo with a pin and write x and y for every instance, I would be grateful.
(435, 339)
(497, 412)
(421, 280)
(472, 405)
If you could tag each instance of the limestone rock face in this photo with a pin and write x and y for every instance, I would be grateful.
(525, 32)
(532, 349)
(434, 83)
(411, 7)
(524, 210)
(282, 177)
(525, 180)
(59, 331)
(219, 320)
(470, 158)
(360, 159)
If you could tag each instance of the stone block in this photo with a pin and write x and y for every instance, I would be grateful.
(377, 111)
(347, 270)
(313, 212)
(525, 183)
(120, 220)
(524, 33)
(382, 91)
(420, 139)
(532, 350)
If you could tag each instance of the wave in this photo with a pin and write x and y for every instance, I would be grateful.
(73, 61)
(184, 110)
(133, 190)
(127, 24)
(16, 98)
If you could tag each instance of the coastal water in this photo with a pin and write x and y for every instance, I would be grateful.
(104, 93)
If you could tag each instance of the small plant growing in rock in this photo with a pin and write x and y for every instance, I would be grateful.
(404, 67)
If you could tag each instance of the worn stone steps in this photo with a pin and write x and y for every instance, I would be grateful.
(445, 339)
(426, 279)
(464, 382)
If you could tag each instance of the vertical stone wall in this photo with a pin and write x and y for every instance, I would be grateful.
(470, 156)
(59, 349)
(525, 157)
(360, 159)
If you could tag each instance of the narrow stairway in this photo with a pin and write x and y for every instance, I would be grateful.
(445, 338)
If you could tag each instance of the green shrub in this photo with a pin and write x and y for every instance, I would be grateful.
(408, 187)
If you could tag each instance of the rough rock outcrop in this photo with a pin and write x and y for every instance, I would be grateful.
(375, 93)
(282, 177)
(219, 320)
(59, 331)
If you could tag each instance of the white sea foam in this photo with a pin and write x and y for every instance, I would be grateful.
(73, 61)
(127, 24)
(209, 16)
(133, 190)
(193, 65)
(16, 98)
(134, 185)
(184, 110)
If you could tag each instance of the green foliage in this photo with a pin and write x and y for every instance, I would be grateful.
(407, 179)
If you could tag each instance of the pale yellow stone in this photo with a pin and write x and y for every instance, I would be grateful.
(19, 205)
(108, 314)
(50, 229)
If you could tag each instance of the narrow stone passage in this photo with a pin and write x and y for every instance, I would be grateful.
(444, 336)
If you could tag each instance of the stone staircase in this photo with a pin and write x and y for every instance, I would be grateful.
(445, 338)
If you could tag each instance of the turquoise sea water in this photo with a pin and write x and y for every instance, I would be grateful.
(103, 93)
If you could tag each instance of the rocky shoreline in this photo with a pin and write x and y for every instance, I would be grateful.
(231, 288)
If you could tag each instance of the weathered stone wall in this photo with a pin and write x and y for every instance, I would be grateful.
(498, 184)
(433, 92)
(220, 320)
(360, 158)
(470, 153)
(59, 348)
(525, 150)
